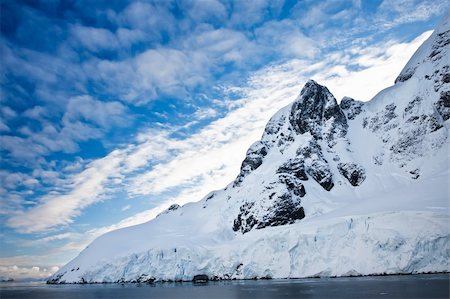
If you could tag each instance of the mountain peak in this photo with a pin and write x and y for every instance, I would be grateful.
(313, 108)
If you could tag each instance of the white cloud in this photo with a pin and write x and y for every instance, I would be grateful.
(219, 45)
(26, 267)
(8, 112)
(285, 38)
(204, 113)
(4, 127)
(85, 189)
(394, 13)
(248, 13)
(87, 109)
(21, 273)
(45, 240)
(85, 118)
(147, 16)
(94, 39)
(155, 72)
(128, 37)
(204, 10)
(380, 68)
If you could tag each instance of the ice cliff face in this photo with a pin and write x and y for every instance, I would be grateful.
(330, 189)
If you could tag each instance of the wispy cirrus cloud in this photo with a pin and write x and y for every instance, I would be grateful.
(406, 11)
(84, 118)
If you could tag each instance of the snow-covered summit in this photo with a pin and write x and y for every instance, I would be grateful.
(350, 189)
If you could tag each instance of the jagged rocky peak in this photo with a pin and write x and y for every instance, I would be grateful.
(315, 112)
(317, 120)
(314, 107)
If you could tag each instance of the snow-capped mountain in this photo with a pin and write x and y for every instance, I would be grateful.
(330, 189)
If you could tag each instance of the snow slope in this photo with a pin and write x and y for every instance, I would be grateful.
(329, 190)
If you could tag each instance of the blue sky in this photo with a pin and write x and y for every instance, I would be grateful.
(113, 110)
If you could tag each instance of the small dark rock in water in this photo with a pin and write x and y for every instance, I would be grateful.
(7, 280)
(144, 278)
(201, 278)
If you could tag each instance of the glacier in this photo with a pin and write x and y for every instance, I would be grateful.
(355, 188)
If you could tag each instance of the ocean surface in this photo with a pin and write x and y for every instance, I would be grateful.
(402, 286)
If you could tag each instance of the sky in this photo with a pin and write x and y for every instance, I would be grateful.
(111, 111)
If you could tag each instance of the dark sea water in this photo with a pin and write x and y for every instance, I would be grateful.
(404, 286)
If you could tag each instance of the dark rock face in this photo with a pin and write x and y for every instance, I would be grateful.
(274, 125)
(245, 219)
(293, 184)
(285, 211)
(278, 132)
(405, 74)
(382, 121)
(284, 206)
(320, 172)
(415, 174)
(443, 105)
(423, 122)
(174, 207)
(316, 166)
(420, 122)
(440, 77)
(351, 107)
(442, 40)
(252, 161)
(315, 106)
(354, 173)
(294, 167)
